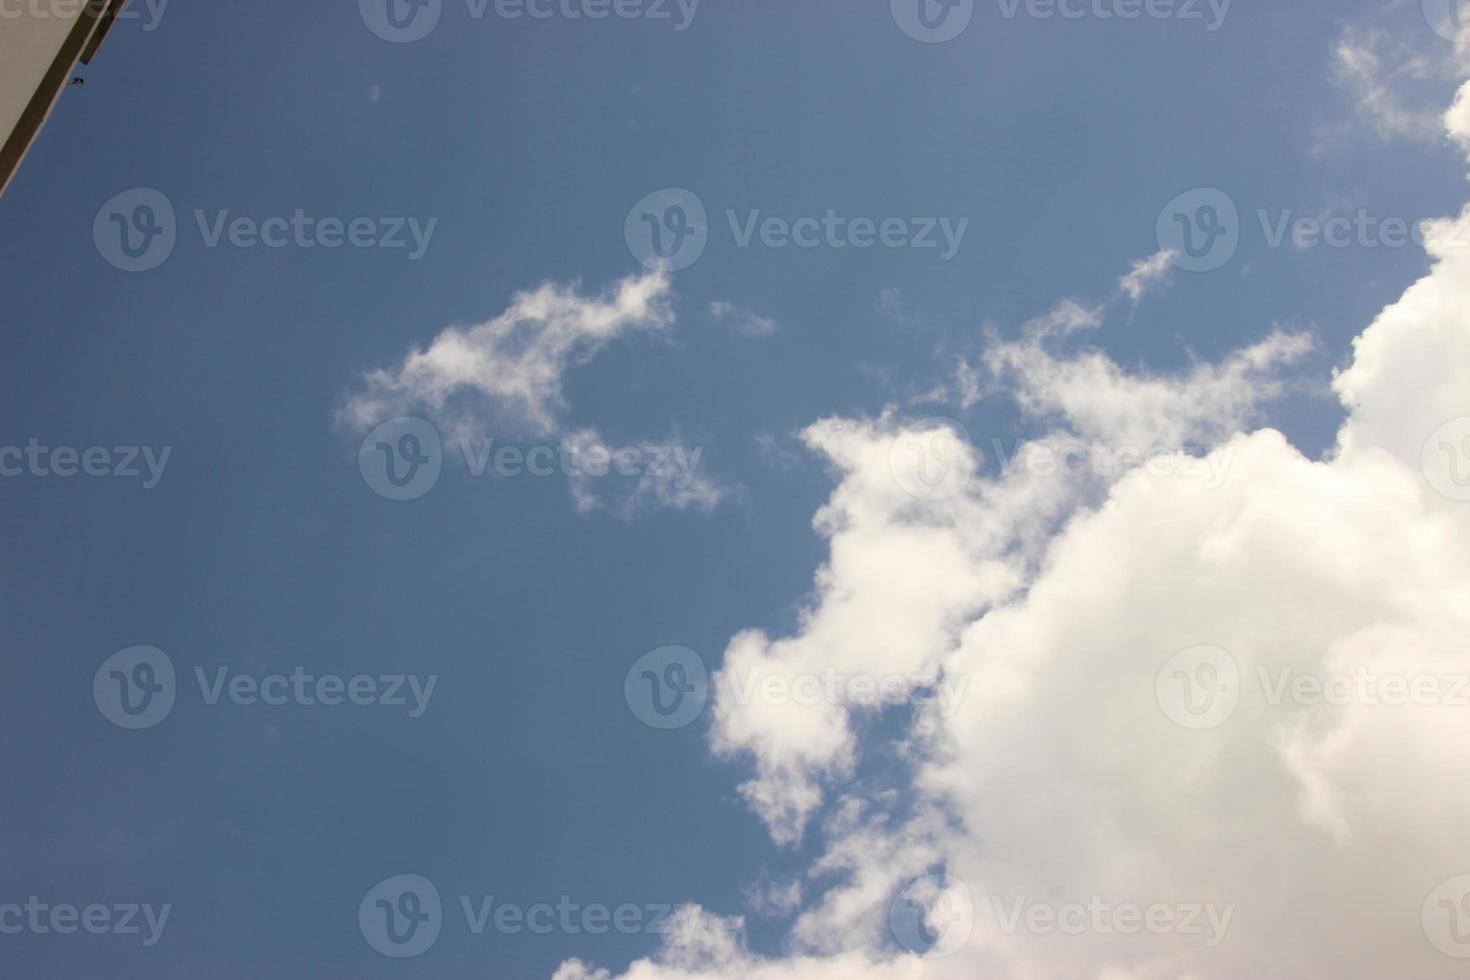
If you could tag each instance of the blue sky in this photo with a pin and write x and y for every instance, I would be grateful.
(526, 142)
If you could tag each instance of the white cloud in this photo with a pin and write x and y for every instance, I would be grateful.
(669, 476)
(743, 321)
(510, 369)
(966, 384)
(773, 898)
(1099, 399)
(505, 377)
(1324, 828)
(1374, 76)
(1147, 274)
(776, 453)
(1457, 120)
(964, 389)
(891, 304)
(1398, 83)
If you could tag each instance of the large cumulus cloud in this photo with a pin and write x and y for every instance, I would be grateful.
(1323, 833)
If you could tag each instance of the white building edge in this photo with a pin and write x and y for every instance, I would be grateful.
(40, 44)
